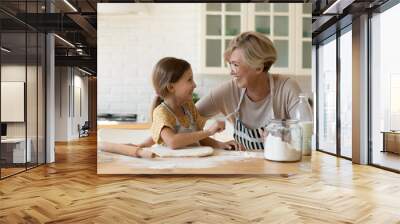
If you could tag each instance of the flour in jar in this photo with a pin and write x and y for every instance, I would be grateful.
(277, 150)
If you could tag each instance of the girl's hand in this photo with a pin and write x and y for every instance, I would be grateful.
(146, 143)
(231, 145)
(218, 126)
(141, 152)
(104, 146)
(145, 153)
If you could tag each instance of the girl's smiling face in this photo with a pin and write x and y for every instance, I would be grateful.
(184, 87)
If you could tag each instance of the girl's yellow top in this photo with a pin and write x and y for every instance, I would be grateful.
(162, 117)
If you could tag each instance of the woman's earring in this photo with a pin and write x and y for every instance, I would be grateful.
(170, 88)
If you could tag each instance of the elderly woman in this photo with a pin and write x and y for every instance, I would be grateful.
(254, 96)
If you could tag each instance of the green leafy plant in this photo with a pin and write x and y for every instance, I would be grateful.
(195, 97)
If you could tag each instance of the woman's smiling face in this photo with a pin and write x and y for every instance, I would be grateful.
(241, 73)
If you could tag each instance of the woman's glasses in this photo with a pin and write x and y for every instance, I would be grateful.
(234, 67)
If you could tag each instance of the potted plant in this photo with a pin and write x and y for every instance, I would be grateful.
(195, 97)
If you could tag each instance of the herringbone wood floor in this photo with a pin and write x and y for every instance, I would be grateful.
(70, 191)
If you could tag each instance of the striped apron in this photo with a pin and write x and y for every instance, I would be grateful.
(179, 128)
(252, 139)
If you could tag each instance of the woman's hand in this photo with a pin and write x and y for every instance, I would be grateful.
(264, 134)
(218, 126)
(231, 145)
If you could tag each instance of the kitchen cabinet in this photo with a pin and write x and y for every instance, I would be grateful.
(287, 25)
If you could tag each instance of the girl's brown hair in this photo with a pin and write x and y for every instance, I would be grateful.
(167, 71)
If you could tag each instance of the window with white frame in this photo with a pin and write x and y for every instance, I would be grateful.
(345, 82)
(327, 96)
(222, 23)
(385, 87)
(306, 38)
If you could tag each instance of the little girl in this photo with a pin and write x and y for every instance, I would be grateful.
(176, 122)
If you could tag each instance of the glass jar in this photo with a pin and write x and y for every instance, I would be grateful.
(283, 141)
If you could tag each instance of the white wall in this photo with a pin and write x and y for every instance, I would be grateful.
(17, 73)
(14, 73)
(79, 117)
(33, 126)
(67, 80)
(61, 103)
(130, 44)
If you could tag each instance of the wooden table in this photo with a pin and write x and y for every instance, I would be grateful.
(221, 162)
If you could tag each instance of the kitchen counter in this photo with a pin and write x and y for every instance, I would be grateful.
(221, 162)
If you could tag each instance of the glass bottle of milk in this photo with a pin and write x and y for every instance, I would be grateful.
(303, 113)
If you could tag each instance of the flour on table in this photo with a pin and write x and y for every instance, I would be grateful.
(219, 157)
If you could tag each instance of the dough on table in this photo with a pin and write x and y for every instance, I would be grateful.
(197, 151)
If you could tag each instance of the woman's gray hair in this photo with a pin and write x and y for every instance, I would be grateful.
(258, 50)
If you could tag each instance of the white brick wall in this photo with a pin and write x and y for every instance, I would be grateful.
(129, 45)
